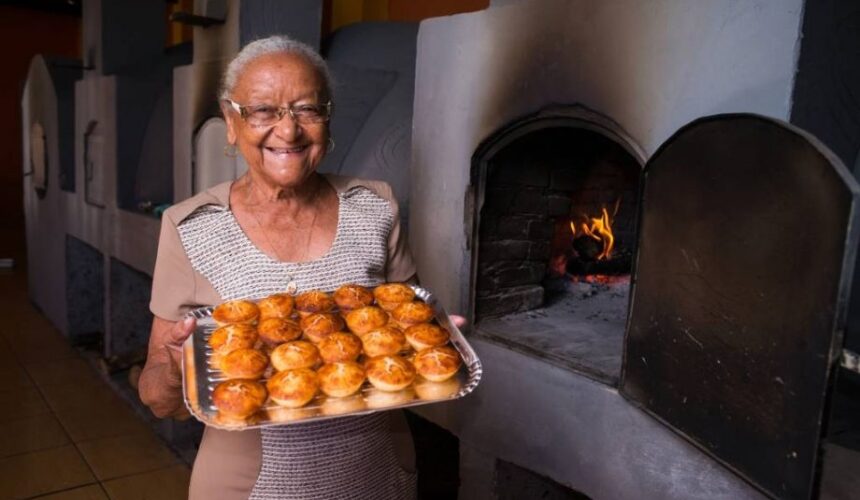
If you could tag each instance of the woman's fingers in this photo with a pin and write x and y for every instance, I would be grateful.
(180, 331)
(173, 373)
(458, 320)
(176, 336)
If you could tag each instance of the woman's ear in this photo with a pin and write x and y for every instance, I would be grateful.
(229, 120)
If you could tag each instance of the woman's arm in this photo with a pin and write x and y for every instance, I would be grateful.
(160, 383)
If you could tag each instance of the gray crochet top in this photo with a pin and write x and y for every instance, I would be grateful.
(345, 458)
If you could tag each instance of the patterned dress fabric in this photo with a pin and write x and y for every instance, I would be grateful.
(344, 458)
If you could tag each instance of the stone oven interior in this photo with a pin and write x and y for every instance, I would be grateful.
(547, 281)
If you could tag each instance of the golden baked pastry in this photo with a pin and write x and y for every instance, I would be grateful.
(235, 311)
(314, 301)
(339, 346)
(389, 373)
(231, 337)
(411, 313)
(294, 355)
(383, 341)
(279, 305)
(319, 326)
(391, 295)
(341, 379)
(437, 363)
(239, 398)
(244, 363)
(436, 390)
(365, 319)
(425, 336)
(349, 297)
(293, 388)
(275, 331)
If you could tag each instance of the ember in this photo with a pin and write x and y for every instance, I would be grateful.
(601, 279)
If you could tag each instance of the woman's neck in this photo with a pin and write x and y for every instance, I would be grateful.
(258, 194)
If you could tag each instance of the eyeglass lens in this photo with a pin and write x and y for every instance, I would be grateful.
(303, 114)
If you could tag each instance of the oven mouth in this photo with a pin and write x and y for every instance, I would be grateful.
(555, 242)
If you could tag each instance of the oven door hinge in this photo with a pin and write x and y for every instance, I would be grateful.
(850, 361)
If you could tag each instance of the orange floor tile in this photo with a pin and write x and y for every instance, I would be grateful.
(65, 434)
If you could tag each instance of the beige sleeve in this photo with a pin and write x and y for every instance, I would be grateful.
(173, 279)
(400, 265)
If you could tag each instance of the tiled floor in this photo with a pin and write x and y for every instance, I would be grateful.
(64, 434)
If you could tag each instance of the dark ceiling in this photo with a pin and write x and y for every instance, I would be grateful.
(70, 7)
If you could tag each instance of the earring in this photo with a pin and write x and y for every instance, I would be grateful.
(230, 151)
(330, 146)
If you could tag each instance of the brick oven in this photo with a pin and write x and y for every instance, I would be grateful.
(700, 363)
(557, 194)
(729, 339)
(543, 193)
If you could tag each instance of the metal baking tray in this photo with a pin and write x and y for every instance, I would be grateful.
(199, 380)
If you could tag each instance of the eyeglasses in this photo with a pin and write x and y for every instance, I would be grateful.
(264, 115)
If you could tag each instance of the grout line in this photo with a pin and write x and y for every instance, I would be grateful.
(140, 473)
(76, 443)
(53, 412)
(39, 450)
(25, 417)
(62, 425)
(104, 490)
(114, 436)
(72, 488)
(72, 441)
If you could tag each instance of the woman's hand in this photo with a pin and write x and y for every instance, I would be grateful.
(175, 336)
(160, 383)
(459, 321)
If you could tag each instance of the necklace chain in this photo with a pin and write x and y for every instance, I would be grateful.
(265, 232)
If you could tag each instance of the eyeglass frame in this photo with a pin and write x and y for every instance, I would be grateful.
(282, 112)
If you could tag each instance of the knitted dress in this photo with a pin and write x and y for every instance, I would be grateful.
(348, 457)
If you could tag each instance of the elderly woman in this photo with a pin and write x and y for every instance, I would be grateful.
(280, 225)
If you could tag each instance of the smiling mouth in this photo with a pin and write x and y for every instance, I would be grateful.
(287, 151)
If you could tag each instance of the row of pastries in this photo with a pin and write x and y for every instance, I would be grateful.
(287, 349)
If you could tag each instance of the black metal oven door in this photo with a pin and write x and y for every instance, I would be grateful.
(747, 244)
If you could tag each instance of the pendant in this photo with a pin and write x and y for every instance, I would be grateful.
(292, 287)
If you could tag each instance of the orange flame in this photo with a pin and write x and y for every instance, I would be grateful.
(599, 228)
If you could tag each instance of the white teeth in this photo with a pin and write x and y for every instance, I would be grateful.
(283, 151)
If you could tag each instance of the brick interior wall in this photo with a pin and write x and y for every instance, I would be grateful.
(534, 187)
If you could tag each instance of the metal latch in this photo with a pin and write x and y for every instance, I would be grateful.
(850, 361)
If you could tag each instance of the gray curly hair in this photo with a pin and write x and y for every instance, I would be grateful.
(271, 45)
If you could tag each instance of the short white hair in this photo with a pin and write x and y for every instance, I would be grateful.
(273, 45)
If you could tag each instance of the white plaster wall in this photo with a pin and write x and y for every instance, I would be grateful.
(579, 432)
(94, 96)
(652, 66)
(126, 236)
(45, 236)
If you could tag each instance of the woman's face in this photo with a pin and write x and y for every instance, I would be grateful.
(285, 153)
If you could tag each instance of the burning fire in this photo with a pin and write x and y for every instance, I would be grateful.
(600, 229)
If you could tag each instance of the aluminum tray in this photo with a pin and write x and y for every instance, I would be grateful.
(199, 380)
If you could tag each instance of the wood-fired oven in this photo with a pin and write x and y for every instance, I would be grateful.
(557, 195)
(742, 234)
